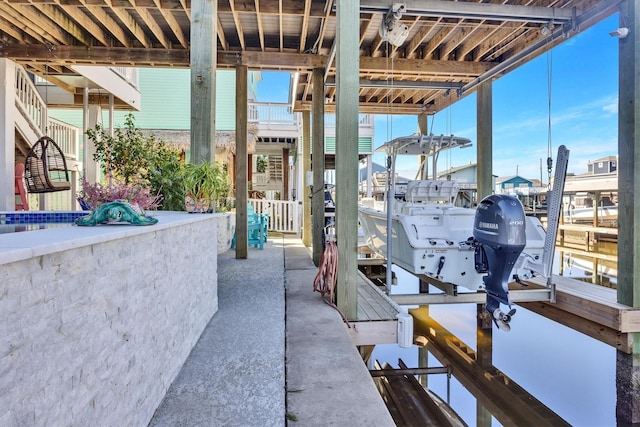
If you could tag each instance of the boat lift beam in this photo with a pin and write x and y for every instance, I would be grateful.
(527, 295)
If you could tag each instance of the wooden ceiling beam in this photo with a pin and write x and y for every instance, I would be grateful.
(237, 24)
(443, 32)
(221, 37)
(422, 67)
(293, 8)
(97, 55)
(173, 24)
(260, 27)
(425, 32)
(280, 30)
(272, 60)
(86, 25)
(127, 20)
(32, 17)
(70, 26)
(305, 26)
(153, 25)
(9, 27)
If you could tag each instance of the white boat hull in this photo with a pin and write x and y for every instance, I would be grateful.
(605, 213)
(433, 240)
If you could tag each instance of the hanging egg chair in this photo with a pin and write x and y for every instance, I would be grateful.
(46, 168)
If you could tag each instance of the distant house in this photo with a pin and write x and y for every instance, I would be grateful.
(513, 184)
(604, 165)
(466, 175)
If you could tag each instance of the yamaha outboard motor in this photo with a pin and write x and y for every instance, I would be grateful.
(500, 234)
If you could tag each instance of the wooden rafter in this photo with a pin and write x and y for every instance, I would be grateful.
(305, 25)
(88, 27)
(259, 23)
(289, 36)
(238, 24)
(127, 20)
(173, 24)
(153, 25)
(221, 36)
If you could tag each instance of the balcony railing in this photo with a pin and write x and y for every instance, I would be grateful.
(364, 120)
(272, 113)
(66, 136)
(33, 107)
(29, 101)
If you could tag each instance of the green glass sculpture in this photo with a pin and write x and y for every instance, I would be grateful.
(115, 212)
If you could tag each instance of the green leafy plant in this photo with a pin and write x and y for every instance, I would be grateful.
(127, 154)
(261, 163)
(131, 158)
(207, 182)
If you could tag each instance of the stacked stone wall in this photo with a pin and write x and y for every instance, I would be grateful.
(95, 335)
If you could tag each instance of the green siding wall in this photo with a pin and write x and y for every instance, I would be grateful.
(166, 101)
(365, 145)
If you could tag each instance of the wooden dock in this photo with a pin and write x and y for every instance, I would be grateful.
(377, 321)
(590, 309)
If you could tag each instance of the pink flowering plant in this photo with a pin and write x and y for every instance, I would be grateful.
(140, 197)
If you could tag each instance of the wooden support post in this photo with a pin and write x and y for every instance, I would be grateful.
(203, 55)
(423, 127)
(306, 167)
(485, 139)
(628, 366)
(596, 203)
(317, 198)
(347, 87)
(242, 242)
(7, 132)
(285, 175)
(423, 362)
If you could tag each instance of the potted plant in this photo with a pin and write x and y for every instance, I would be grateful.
(206, 187)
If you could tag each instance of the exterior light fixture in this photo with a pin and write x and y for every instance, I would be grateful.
(620, 33)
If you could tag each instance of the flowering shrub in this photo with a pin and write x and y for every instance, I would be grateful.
(93, 195)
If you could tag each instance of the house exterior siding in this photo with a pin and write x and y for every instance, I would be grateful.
(166, 101)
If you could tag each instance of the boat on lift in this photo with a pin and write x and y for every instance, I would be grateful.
(480, 249)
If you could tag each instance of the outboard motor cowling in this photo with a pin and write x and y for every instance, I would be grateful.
(500, 233)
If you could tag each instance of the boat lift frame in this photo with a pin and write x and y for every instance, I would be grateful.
(544, 268)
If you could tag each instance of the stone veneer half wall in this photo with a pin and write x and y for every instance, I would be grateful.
(96, 322)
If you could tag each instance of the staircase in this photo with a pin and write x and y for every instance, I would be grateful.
(31, 123)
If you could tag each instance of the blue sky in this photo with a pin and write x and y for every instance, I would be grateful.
(584, 109)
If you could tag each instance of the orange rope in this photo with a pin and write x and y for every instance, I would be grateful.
(325, 281)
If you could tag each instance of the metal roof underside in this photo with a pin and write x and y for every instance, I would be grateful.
(450, 48)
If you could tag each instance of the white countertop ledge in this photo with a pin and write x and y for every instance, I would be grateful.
(29, 244)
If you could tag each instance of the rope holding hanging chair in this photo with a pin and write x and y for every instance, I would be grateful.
(46, 168)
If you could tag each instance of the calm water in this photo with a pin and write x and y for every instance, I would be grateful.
(571, 373)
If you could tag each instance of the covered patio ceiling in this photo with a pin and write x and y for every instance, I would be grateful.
(447, 49)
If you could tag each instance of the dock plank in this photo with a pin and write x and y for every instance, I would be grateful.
(591, 309)
(377, 322)
(375, 305)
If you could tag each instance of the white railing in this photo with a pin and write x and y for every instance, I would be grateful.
(33, 107)
(272, 113)
(29, 101)
(364, 120)
(283, 215)
(66, 136)
(129, 74)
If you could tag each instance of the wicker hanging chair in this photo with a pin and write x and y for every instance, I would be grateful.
(46, 168)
